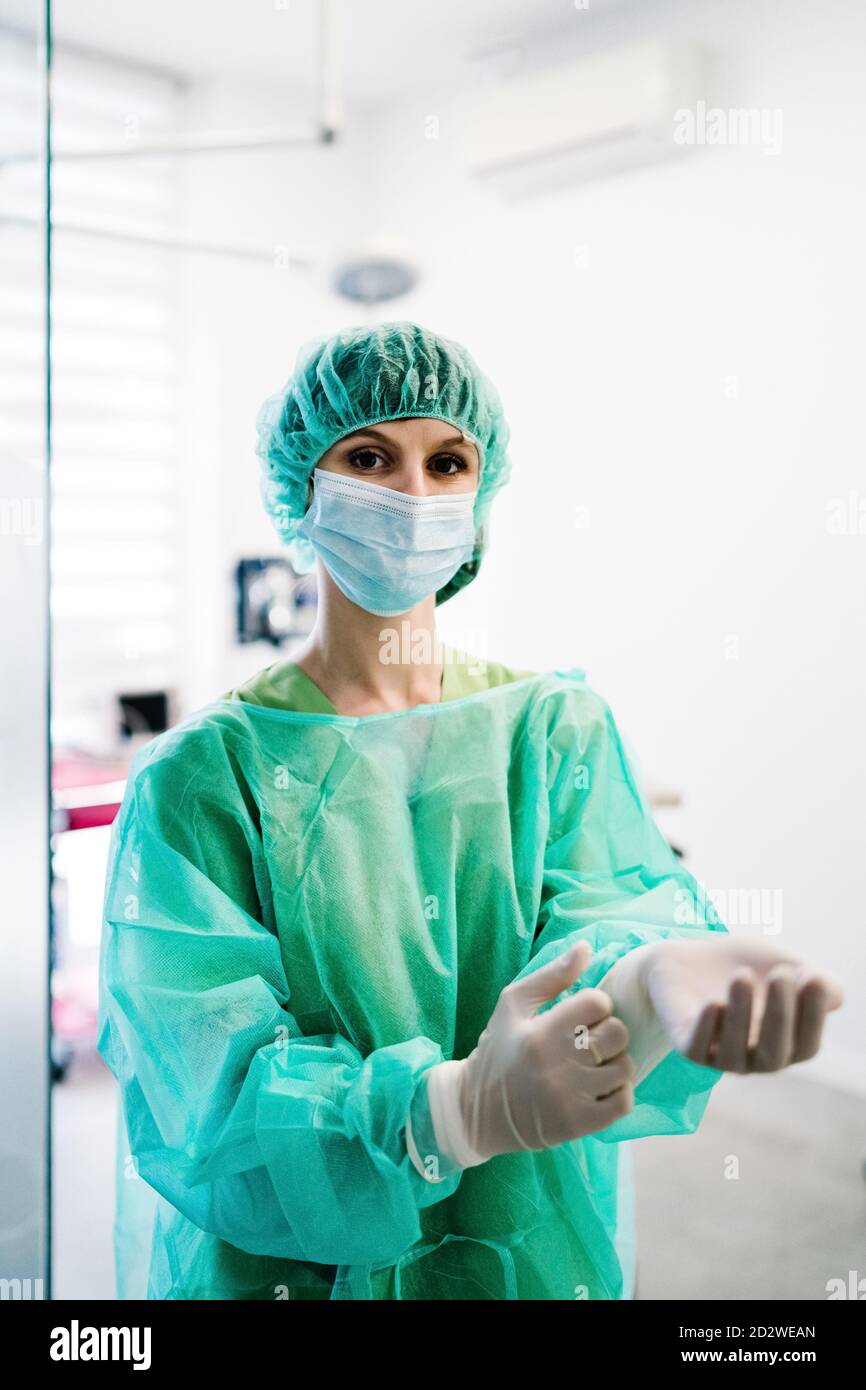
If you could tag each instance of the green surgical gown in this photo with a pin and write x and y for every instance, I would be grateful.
(304, 912)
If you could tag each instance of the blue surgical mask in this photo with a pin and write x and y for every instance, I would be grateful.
(387, 550)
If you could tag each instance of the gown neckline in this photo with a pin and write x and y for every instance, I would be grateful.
(445, 689)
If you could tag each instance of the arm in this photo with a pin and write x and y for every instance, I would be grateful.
(278, 1143)
(610, 878)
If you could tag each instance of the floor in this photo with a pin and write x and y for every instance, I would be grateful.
(83, 1145)
(792, 1219)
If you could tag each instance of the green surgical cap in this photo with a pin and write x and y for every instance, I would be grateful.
(359, 377)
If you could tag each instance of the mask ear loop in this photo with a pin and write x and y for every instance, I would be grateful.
(480, 529)
(470, 439)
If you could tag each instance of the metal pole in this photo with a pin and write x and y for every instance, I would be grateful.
(330, 111)
(171, 240)
(191, 142)
(323, 131)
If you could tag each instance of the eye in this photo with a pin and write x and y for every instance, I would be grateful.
(364, 459)
(448, 464)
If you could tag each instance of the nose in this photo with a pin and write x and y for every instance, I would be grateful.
(413, 478)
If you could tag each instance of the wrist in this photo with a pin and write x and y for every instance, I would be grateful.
(447, 1117)
(626, 983)
(434, 1138)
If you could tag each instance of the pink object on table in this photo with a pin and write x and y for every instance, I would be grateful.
(86, 793)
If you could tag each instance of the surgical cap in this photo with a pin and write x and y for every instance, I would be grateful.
(362, 376)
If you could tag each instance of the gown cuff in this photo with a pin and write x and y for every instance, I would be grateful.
(436, 1125)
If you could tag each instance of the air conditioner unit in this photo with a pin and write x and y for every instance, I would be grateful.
(582, 119)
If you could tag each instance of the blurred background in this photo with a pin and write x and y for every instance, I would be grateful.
(645, 221)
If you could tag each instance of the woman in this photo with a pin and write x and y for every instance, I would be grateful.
(395, 959)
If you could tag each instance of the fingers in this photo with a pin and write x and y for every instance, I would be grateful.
(608, 1109)
(776, 1039)
(797, 1006)
(595, 1097)
(579, 1046)
(732, 1051)
(540, 986)
(600, 1042)
(832, 989)
(574, 1024)
(814, 1001)
(598, 1082)
(582, 1114)
(702, 1044)
(790, 1029)
(607, 1039)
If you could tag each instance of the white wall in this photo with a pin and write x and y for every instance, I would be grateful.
(694, 384)
(246, 320)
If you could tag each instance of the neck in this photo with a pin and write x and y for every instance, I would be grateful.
(366, 664)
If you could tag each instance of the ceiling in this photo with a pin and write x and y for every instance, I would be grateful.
(384, 47)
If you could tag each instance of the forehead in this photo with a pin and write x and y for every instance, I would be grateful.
(429, 428)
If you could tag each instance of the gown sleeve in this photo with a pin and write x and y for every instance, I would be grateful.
(610, 877)
(281, 1144)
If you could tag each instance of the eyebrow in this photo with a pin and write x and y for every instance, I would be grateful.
(386, 439)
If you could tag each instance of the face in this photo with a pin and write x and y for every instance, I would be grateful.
(422, 457)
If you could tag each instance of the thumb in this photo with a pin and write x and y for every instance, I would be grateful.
(551, 979)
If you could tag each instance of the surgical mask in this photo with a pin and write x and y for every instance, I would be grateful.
(387, 550)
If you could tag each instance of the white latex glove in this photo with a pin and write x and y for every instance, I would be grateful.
(534, 1082)
(735, 1003)
(625, 985)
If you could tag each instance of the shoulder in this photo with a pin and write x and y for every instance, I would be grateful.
(192, 787)
(270, 685)
(497, 673)
(565, 702)
(466, 673)
(201, 753)
(562, 693)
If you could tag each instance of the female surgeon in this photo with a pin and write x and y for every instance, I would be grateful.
(395, 960)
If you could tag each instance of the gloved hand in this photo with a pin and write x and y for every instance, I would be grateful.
(735, 1003)
(533, 1082)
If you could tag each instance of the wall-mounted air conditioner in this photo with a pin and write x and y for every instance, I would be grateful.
(582, 119)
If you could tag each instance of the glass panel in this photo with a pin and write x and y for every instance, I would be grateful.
(24, 689)
(176, 309)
